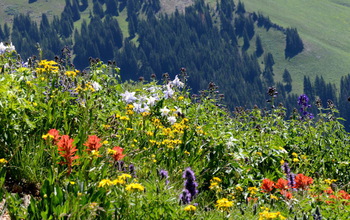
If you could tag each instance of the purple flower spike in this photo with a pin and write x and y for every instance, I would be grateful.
(190, 184)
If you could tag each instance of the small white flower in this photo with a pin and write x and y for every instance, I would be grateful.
(151, 101)
(8, 48)
(139, 108)
(172, 119)
(176, 82)
(168, 93)
(178, 110)
(96, 86)
(165, 111)
(128, 97)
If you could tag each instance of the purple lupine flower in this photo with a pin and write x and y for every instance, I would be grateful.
(132, 170)
(303, 102)
(185, 197)
(164, 175)
(190, 182)
(290, 176)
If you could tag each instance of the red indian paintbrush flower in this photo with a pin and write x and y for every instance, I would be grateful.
(67, 151)
(54, 135)
(267, 185)
(281, 184)
(93, 143)
(302, 181)
(117, 153)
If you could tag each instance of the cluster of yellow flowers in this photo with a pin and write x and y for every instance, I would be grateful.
(121, 180)
(70, 73)
(88, 86)
(215, 184)
(46, 66)
(224, 204)
(266, 215)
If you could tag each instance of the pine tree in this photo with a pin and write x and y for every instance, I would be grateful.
(287, 78)
(258, 46)
(294, 44)
(112, 7)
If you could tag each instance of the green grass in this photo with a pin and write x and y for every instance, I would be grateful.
(324, 27)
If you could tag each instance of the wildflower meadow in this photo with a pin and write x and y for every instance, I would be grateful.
(82, 144)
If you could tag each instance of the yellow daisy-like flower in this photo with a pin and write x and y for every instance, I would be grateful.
(124, 176)
(224, 204)
(134, 187)
(216, 179)
(296, 160)
(70, 73)
(329, 181)
(118, 181)
(239, 188)
(273, 197)
(265, 215)
(294, 154)
(282, 162)
(105, 182)
(95, 153)
(253, 190)
(190, 208)
(3, 160)
(110, 151)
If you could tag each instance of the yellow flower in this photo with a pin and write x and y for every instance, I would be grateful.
(273, 197)
(118, 181)
(110, 151)
(95, 153)
(3, 160)
(259, 153)
(329, 181)
(253, 190)
(214, 185)
(296, 160)
(216, 179)
(72, 182)
(124, 176)
(304, 157)
(282, 162)
(239, 188)
(129, 112)
(105, 142)
(105, 182)
(294, 154)
(190, 208)
(129, 107)
(106, 126)
(186, 152)
(265, 215)
(70, 73)
(129, 129)
(134, 187)
(180, 98)
(145, 114)
(223, 204)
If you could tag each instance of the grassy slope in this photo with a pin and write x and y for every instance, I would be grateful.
(324, 26)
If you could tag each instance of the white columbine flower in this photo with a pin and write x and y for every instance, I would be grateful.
(139, 109)
(168, 93)
(176, 82)
(128, 97)
(4, 48)
(165, 111)
(96, 86)
(151, 101)
(172, 119)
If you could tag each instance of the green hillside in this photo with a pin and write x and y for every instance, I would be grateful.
(324, 26)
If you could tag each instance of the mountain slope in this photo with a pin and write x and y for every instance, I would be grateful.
(324, 26)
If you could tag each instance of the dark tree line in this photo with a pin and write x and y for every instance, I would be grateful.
(165, 43)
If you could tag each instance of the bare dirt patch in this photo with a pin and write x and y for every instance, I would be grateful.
(169, 6)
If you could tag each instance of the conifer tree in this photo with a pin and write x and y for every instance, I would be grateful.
(258, 46)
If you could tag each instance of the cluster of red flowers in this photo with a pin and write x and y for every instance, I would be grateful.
(301, 182)
(67, 150)
(341, 195)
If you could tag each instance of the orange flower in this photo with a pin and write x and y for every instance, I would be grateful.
(281, 184)
(328, 191)
(118, 153)
(286, 194)
(54, 134)
(302, 181)
(344, 195)
(67, 151)
(93, 143)
(267, 185)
